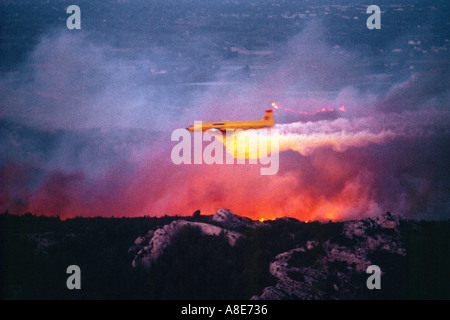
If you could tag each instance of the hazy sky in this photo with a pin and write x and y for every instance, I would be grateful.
(86, 115)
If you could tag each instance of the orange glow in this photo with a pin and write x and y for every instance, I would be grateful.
(247, 145)
(239, 188)
(342, 109)
(268, 217)
(310, 186)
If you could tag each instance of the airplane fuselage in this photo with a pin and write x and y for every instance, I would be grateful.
(265, 122)
(232, 125)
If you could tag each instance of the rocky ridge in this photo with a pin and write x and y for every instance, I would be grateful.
(225, 256)
(325, 269)
(314, 270)
(149, 247)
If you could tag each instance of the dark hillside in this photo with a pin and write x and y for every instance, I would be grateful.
(281, 259)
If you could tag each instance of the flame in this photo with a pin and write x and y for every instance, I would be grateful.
(268, 217)
(321, 110)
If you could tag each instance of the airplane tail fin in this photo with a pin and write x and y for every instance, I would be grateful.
(268, 116)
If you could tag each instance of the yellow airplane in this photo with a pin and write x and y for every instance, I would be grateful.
(265, 122)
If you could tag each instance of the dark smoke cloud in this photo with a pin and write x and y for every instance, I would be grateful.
(85, 128)
(424, 90)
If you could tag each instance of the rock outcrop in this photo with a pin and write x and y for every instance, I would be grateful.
(153, 244)
(229, 220)
(326, 270)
